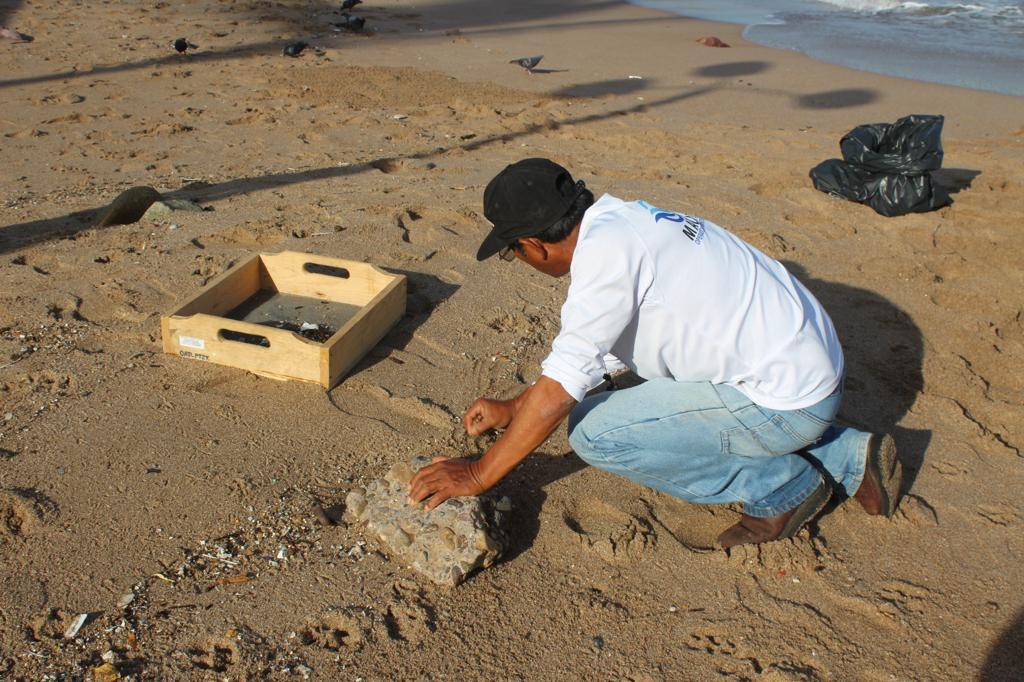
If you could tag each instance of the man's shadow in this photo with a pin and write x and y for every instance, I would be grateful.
(884, 352)
(525, 485)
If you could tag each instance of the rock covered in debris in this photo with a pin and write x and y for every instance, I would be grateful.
(164, 207)
(128, 206)
(446, 543)
(137, 203)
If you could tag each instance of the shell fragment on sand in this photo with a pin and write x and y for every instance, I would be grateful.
(445, 544)
(76, 624)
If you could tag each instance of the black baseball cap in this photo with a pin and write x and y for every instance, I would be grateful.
(525, 199)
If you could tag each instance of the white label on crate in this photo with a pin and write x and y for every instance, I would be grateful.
(191, 342)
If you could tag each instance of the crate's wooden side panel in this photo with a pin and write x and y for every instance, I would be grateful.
(198, 337)
(363, 331)
(226, 292)
(169, 344)
(288, 273)
(265, 281)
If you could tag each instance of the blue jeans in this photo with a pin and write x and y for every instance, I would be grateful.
(710, 444)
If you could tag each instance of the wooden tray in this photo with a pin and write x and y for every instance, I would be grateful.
(355, 303)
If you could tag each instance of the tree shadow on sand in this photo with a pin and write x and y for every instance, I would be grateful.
(614, 86)
(836, 99)
(731, 69)
(67, 226)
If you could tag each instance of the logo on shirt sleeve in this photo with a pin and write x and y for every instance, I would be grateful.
(692, 226)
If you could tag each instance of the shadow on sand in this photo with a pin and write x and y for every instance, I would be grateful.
(526, 484)
(424, 292)
(7, 10)
(23, 234)
(954, 180)
(836, 99)
(304, 19)
(1005, 661)
(884, 353)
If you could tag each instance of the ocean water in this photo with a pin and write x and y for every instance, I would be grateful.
(974, 44)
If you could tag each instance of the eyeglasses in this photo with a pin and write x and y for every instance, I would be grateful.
(508, 253)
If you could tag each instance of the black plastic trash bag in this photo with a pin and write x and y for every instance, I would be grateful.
(888, 166)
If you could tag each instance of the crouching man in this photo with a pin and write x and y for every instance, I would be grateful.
(743, 368)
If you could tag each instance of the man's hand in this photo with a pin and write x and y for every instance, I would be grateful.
(530, 418)
(486, 414)
(443, 479)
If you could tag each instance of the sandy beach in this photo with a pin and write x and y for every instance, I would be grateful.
(212, 496)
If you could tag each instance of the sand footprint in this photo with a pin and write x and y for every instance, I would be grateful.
(238, 646)
(999, 514)
(61, 98)
(695, 527)
(342, 631)
(216, 655)
(899, 599)
(420, 408)
(612, 534)
(712, 641)
(422, 226)
(915, 510)
(22, 512)
(409, 617)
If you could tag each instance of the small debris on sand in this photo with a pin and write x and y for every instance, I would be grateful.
(76, 625)
(445, 544)
(182, 45)
(712, 41)
(294, 49)
(15, 36)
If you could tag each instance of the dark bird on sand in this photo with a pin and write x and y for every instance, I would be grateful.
(528, 63)
(350, 23)
(349, 4)
(294, 49)
(182, 45)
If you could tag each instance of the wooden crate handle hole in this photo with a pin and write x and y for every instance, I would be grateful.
(243, 337)
(329, 270)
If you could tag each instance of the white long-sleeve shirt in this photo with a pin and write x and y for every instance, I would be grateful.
(672, 295)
